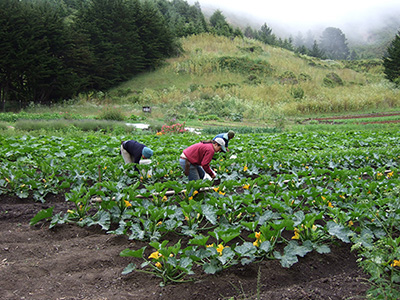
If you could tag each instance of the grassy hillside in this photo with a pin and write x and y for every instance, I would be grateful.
(245, 78)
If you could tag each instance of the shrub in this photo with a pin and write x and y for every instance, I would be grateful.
(304, 77)
(288, 77)
(297, 93)
(112, 114)
(244, 65)
(332, 80)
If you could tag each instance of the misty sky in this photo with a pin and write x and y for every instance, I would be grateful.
(303, 14)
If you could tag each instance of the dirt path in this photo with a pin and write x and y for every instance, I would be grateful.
(69, 262)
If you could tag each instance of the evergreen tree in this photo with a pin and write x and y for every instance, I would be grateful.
(32, 60)
(333, 43)
(316, 51)
(113, 39)
(250, 32)
(391, 61)
(309, 40)
(156, 39)
(265, 35)
(299, 40)
(182, 18)
(302, 50)
(220, 26)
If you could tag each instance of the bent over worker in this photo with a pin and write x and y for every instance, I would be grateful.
(226, 137)
(133, 151)
(195, 160)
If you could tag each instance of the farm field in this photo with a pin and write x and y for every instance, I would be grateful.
(296, 216)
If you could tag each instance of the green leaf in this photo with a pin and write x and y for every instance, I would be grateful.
(129, 268)
(322, 249)
(200, 240)
(246, 249)
(43, 214)
(286, 260)
(132, 253)
(265, 246)
(339, 231)
(212, 267)
(210, 213)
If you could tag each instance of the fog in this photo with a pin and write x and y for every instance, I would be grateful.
(289, 17)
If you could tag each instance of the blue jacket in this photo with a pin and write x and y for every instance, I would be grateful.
(135, 149)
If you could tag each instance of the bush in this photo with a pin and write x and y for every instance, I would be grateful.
(111, 114)
(332, 80)
(288, 77)
(297, 93)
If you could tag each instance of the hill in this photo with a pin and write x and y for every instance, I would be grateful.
(239, 79)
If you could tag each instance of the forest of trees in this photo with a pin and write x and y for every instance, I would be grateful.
(53, 50)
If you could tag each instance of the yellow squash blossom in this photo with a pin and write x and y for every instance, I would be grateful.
(127, 203)
(190, 198)
(195, 193)
(158, 265)
(164, 198)
(155, 255)
(296, 234)
(245, 168)
(258, 235)
(216, 189)
(221, 193)
(256, 243)
(210, 245)
(395, 263)
(330, 204)
(351, 223)
(246, 186)
(220, 248)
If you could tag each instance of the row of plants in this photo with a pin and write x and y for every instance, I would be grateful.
(283, 196)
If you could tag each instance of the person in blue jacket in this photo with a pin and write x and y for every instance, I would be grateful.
(133, 151)
(226, 137)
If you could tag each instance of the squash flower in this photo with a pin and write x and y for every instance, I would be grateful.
(395, 263)
(155, 255)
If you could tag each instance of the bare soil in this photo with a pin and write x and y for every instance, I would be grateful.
(70, 262)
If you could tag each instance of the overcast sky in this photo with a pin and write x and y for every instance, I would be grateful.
(303, 14)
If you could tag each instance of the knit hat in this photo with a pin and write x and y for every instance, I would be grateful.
(231, 134)
(147, 152)
(221, 142)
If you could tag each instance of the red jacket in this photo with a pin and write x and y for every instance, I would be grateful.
(201, 154)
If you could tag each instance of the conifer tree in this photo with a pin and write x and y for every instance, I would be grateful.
(391, 61)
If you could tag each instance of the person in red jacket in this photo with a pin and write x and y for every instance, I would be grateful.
(195, 160)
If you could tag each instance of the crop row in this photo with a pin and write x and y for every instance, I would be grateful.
(283, 196)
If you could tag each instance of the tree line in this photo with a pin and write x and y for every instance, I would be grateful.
(52, 50)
